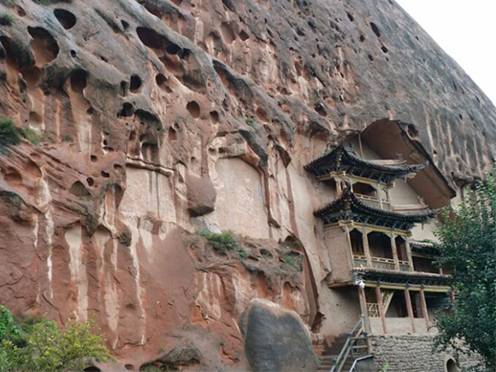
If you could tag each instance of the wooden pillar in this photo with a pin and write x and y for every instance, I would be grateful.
(395, 252)
(360, 144)
(380, 304)
(339, 190)
(423, 305)
(388, 195)
(366, 248)
(379, 196)
(409, 255)
(409, 309)
(363, 308)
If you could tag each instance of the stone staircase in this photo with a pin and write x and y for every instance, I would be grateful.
(328, 355)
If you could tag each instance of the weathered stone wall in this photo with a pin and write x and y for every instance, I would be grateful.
(158, 118)
(413, 353)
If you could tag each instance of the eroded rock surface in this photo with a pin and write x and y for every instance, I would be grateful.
(159, 118)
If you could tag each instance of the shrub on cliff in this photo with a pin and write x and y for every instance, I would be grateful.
(40, 345)
(223, 242)
(6, 19)
(468, 247)
(11, 135)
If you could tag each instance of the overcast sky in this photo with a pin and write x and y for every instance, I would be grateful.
(466, 30)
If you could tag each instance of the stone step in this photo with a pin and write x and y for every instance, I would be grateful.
(327, 357)
(359, 347)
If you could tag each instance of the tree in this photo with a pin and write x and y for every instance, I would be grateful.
(467, 242)
(40, 345)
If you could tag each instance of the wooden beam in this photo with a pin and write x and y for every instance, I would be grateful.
(339, 190)
(413, 287)
(395, 252)
(370, 227)
(360, 145)
(363, 308)
(409, 308)
(409, 255)
(380, 304)
(366, 248)
(423, 306)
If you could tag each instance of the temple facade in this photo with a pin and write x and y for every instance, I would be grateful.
(384, 197)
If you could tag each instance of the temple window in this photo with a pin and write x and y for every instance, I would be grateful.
(402, 253)
(381, 251)
(380, 245)
(356, 240)
(364, 189)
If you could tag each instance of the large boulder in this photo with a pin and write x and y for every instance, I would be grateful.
(201, 195)
(276, 339)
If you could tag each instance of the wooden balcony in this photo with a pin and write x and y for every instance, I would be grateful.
(374, 202)
(380, 263)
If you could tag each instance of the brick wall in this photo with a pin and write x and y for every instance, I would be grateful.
(412, 353)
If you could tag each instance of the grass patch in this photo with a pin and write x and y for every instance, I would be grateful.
(11, 135)
(30, 135)
(46, 2)
(251, 122)
(223, 242)
(6, 19)
(292, 260)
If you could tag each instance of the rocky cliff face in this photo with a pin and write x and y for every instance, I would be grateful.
(158, 118)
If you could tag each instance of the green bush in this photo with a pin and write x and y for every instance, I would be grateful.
(223, 242)
(251, 122)
(467, 236)
(40, 345)
(30, 135)
(6, 19)
(292, 261)
(46, 2)
(11, 135)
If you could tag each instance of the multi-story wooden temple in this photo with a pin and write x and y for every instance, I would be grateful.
(377, 232)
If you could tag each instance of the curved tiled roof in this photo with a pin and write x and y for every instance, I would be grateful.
(343, 158)
(350, 207)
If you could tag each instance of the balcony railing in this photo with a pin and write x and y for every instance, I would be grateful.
(373, 309)
(381, 263)
(374, 202)
(359, 261)
(404, 265)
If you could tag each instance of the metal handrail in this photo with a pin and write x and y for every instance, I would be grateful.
(359, 360)
(345, 351)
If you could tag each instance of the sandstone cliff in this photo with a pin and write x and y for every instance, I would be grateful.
(159, 118)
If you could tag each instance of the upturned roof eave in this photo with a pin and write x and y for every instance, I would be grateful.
(344, 154)
(353, 204)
